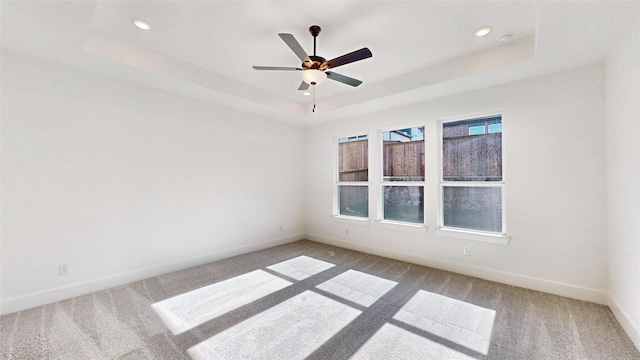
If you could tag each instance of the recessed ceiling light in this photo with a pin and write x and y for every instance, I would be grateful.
(484, 31)
(141, 24)
(306, 93)
(505, 38)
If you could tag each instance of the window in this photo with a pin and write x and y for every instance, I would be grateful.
(403, 175)
(472, 186)
(352, 185)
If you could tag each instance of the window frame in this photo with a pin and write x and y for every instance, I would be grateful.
(396, 224)
(463, 233)
(337, 183)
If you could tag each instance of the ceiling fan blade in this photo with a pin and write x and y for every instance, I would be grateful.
(295, 46)
(348, 58)
(343, 79)
(276, 68)
(303, 86)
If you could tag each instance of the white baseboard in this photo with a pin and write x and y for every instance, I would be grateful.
(552, 287)
(623, 318)
(49, 296)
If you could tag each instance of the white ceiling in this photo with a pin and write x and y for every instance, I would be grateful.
(421, 49)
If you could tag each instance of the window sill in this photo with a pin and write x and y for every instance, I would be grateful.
(396, 225)
(499, 239)
(351, 220)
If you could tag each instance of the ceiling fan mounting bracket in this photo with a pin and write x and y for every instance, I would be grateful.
(314, 30)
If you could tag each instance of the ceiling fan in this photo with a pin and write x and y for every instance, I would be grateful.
(314, 68)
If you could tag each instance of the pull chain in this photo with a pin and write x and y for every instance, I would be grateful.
(314, 99)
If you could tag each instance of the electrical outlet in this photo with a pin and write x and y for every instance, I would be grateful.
(346, 232)
(63, 269)
(465, 251)
(280, 228)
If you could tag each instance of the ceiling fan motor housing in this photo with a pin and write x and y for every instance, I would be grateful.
(316, 63)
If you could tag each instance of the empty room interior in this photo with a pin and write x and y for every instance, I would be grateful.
(322, 180)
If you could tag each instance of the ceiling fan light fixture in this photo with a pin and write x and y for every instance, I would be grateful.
(313, 76)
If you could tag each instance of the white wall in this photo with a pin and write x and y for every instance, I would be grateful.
(554, 148)
(123, 182)
(623, 168)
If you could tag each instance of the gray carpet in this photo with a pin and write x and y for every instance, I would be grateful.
(310, 300)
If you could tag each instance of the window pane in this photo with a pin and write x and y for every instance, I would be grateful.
(403, 154)
(477, 208)
(495, 128)
(354, 200)
(404, 203)
(353, 158)
(468, 155)
(476, 130)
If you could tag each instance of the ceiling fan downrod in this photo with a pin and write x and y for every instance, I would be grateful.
(315, 31)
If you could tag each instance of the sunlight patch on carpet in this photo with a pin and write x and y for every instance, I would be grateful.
(392, 342)
(292, 329)
(460, 322)
(186, 311)
(358, 287)
(301, 267)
